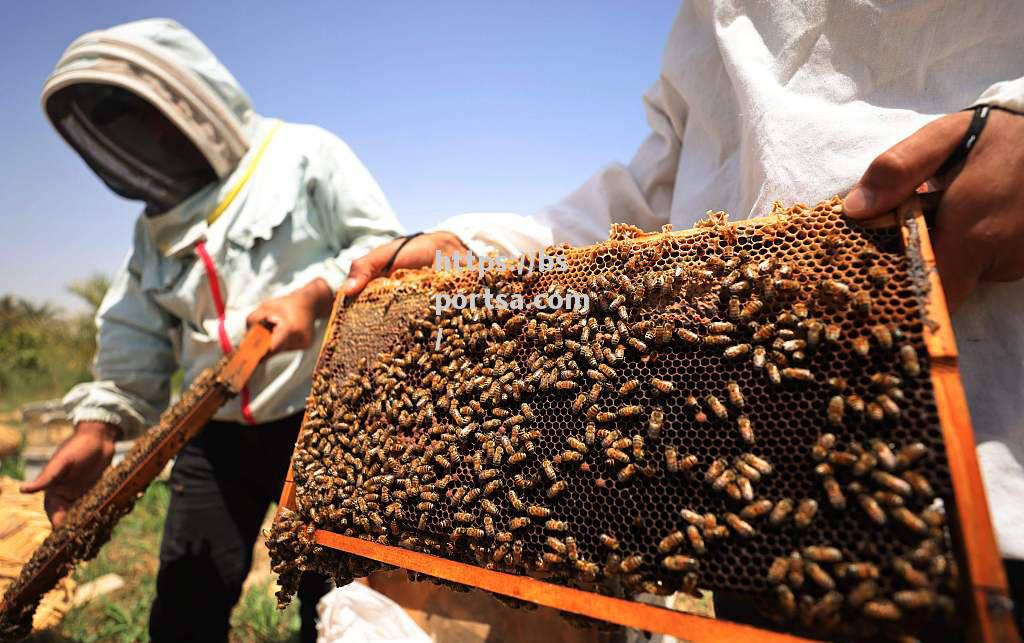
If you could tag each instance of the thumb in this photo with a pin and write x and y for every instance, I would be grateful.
(362, 272)
(893, 176)
(50, 472)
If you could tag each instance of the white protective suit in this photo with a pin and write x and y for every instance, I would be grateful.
(791, 100)
(305, 208)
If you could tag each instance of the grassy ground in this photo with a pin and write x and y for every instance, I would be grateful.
(122, 616)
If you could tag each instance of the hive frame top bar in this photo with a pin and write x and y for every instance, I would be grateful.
(983, 573)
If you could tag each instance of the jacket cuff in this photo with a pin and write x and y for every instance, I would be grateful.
(1008, 94)
(129, 430)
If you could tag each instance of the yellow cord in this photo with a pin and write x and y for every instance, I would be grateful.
(230, 196)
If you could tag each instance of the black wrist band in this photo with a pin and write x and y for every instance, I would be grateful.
(391, 261)
(959, 155)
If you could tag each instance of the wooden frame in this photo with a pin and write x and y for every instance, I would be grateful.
(984, 579)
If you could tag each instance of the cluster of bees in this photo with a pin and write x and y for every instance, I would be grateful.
(91, 520)
(465, 452)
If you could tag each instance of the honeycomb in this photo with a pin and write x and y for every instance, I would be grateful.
(90, 522)
(744, 408)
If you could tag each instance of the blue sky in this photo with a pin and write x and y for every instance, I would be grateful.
(454, 106)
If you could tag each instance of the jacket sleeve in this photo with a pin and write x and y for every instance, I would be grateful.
(639, 193)
(350, 208)
(1008, 94)
(134, 360)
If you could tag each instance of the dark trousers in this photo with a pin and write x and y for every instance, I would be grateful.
(222, 484)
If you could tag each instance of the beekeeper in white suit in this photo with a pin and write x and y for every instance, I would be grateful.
(246, 219)
(800, 100)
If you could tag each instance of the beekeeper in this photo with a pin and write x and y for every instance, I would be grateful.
(797, 101)
(245, 219)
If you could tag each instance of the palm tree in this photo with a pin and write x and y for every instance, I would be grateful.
(91, 290)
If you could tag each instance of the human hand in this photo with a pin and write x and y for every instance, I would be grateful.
(979, 229)
(74, 468)
(292, 316)
(417, 253)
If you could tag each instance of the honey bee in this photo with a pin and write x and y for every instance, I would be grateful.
(786, 600)
(566, 385)
(549, 470)
(798, 374)
(687, 336)
(538, 511)
(617, 455)
(861, 346)
(832, 333)
(750, 309)
(555, 545)
(489, 506)
(626, 472)
(746, 470)
(514, 500)
(571, 549)
(628, 387)
(557, 489)
(773, 373)
(715, 469)
(778, 570)
(834, 493)
(805, 512)
(631, 563)
(717, 340)
(756, 509)
(655, 422)
(746, 430)
(492, 487)
(462, 516)
(576, 444)
(891, 482)
(727, 476)
(551, 558)
(637, 345)
(590, 433)
(680, 563)
(609, 541)
(471, 496)
(818, 575)
(556, 525)
(716, 407)
(909, 361)
(739, 350)
(889, 407)
(746, 489)
(836, 406)
(919, 483)
(670, 542)
(862, 593)
(883, 454)
(910, 454)
(739, 525)
(875, 412)
(795, 575)
(909, 519)
(630, 410)
(638, 447)
(915, 598)
(571, 456)
(606, 416)
(882, 610)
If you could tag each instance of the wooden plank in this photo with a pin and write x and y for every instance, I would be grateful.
(633, 614)
(992, 618)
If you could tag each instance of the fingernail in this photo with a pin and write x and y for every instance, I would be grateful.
(858, 201)
(350, 283)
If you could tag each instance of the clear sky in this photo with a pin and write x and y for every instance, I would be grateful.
(454, 107)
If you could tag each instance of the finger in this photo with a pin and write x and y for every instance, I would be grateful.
(893, 175)
(56, 507)
(51, 472)
(367, 268)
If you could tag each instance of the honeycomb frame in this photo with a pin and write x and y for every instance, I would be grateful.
(906, 300)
